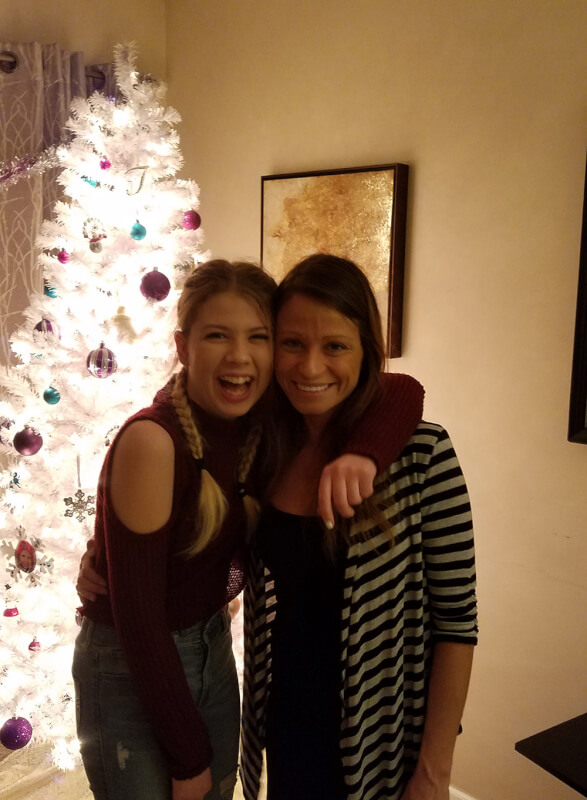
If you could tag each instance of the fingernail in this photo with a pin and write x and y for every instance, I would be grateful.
(329, 524)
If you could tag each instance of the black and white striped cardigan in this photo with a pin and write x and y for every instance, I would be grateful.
(397, 602)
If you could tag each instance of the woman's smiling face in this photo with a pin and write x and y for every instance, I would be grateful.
(318, 356)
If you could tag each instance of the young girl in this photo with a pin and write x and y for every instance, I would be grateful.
(358, 640)
(157, 695)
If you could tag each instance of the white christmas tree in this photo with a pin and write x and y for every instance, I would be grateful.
(96, 345)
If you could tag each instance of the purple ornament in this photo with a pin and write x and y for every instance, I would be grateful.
(155, 285)
(11, 612)
(16, 733)
(44, 326)
(105, 163)
(63, 256)
(191, 220)
(101, 363)
(27, 441)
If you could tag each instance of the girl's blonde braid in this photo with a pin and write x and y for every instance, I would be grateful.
(247, 456)
(212, 505)
(183, 410)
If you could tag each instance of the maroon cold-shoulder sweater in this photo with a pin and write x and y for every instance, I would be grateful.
(154, 590)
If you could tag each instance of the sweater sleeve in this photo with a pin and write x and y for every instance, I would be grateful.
(137, 575)
(401, 401)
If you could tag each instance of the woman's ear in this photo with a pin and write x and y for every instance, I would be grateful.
(181, 347)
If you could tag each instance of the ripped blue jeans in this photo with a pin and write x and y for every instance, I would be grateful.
(121, 756)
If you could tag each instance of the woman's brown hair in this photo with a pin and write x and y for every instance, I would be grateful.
(339, 284)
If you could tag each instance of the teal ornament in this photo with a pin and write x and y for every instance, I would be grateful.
(138, 231)
(50, 291)
(91, 181)
(51, 396)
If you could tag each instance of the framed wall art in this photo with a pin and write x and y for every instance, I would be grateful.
(578, 404)
(357, 213)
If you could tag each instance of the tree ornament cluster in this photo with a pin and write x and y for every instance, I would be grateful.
(96, 345)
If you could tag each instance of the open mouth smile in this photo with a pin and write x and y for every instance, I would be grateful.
(237, 386)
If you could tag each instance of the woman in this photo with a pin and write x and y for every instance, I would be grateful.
(358, 641)
(157, 696)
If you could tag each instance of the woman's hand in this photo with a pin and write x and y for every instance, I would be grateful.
(193, 788)
(345, 483)
(89, 584)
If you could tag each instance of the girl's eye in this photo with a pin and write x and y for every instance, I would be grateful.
(215, 335)
(263, 336)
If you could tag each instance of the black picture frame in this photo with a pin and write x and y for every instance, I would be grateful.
(357, 213)
(578, 405)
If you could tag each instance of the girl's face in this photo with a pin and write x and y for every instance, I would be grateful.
(228, 354)
(318, 356)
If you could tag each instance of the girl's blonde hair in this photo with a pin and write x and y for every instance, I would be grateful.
(211, 278)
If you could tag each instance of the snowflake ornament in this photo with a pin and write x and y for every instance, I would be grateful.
(80, 506)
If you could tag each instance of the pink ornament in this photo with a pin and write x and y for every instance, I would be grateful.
(155, 286)
(63, 256)
(11, 612)
(16, 733)
(35, 646)
(105, 163)
(191, 220)
(27, 441)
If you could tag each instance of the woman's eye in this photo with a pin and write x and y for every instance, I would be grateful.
(336, 347)
(291, 343)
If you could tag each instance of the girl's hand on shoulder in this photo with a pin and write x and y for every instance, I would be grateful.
(193, 788)
(344, 483)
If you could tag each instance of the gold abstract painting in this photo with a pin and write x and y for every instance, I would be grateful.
(357, 213)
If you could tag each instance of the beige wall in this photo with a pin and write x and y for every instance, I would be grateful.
(93, 26)
(486, 102)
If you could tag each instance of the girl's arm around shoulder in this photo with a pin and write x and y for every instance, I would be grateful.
(142, 476)
(377, 441)
(389, 422)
